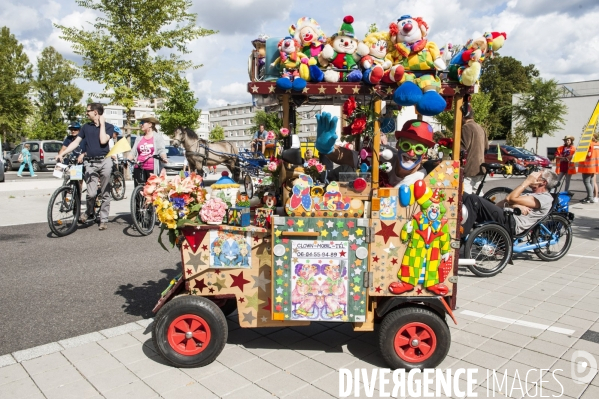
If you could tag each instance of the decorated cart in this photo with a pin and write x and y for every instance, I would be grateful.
(379, 243)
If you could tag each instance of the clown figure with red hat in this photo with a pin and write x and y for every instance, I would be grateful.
(428, 241)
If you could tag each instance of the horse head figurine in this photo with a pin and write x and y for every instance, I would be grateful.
(200, 153)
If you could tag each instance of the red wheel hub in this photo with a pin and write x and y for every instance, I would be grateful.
(415, 342)
(189, 334)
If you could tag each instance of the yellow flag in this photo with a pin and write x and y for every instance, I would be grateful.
(119, 147)
(499, 153)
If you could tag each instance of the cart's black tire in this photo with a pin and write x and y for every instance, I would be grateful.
(143, 215)
(489, 243)
(190, 314)
(248, 185)
(553, 223)
(118, 188)
(497, 194)
(64, 202)
(428, 327)
(36, 166)
(226, 305)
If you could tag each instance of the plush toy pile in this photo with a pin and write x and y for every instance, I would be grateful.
(402, 56)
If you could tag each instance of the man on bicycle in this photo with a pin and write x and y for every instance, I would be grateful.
(533, 206)
(98, 168)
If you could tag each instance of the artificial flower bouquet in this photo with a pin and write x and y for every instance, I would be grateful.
(178, 201)
(313, 168)
(360, 118)
(213, 211)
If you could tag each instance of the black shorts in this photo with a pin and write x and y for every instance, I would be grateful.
(140, 176)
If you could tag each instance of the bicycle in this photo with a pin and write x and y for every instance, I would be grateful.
(64, 207)
(117, 181)
(492, 245)
(142, 213)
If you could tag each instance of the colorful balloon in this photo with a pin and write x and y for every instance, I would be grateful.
(419, 189)
(404, 195)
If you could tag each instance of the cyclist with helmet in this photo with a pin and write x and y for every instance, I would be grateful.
(74, 131)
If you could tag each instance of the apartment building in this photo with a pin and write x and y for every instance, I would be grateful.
(237, 121)
(203, 129)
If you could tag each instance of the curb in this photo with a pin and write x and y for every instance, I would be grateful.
(53, 347)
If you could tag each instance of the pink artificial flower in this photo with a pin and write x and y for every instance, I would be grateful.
(319, 168)
(270, 135)
(272, 166)
(312, 162)
(284, 132)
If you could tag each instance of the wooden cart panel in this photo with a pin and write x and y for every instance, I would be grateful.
(247, 278)
(319, 269)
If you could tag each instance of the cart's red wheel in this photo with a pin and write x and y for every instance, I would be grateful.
(189, 334)
(413, 337)
(415, 342)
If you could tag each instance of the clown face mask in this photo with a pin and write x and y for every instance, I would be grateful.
(410, 153)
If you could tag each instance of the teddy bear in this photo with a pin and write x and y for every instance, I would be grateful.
(421, 59)
(260, 53)
(344, 52)
(465, 66)
(376, 67)
(312, 40)
(290, 62)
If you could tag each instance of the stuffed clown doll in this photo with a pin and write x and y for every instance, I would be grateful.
(260, 52)
(420, 59)
(290, 61)
(312, 40)
(465, 67)
(376, 67)
(428, 238)
(344, 51)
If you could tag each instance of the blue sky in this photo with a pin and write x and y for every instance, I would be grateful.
(560, 38)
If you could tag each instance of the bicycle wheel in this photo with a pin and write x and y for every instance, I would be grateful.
(248, 185)
(143, 215)
(491, 247)
(118, 188)
(557, 230)
(63, 211)
(497, 194)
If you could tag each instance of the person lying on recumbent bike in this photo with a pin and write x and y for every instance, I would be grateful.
(533, 206)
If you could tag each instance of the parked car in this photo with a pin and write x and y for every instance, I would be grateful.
(509, 153)
(2, 168)
(175, 159)
(544, 162)
(43, 154)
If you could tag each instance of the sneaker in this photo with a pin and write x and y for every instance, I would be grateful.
(596, 199)
(19, 176)
(33, 175)
(586, 201)
(102, 226)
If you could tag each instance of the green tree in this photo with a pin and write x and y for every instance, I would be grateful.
(501, 78)
(58, 99)
(481, 104)
(217, 134)
(270, 120)
(179, 108)
(15, 84)
(124, 49)
(538, 111)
